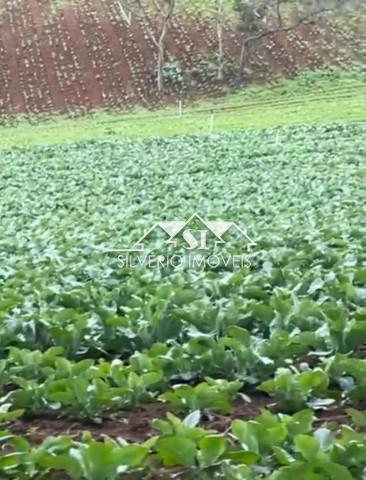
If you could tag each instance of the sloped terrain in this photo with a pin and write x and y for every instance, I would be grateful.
(75, 57)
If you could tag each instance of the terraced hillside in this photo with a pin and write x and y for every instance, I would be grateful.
(80, 55)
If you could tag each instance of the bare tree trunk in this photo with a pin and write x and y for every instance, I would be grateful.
(294, 12)
(159, 40)
(220, 68)
(160, 66)
(278, 13)
(243, 58)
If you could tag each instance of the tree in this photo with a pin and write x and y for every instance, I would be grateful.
(252, 19)
(157, 33)
(220, 9)
(219, 30)
(261, 18)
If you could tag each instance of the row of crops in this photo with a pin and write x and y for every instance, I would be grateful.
(77, 56)
(275, 350)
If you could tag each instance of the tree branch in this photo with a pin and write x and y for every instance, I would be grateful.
(287, 29)
(278, 11)
(150, 31)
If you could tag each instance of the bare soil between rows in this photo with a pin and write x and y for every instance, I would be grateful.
(82, 57)
(135, 425)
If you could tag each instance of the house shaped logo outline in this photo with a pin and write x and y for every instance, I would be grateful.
(175, 228)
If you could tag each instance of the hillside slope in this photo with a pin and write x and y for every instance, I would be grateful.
(77, 57)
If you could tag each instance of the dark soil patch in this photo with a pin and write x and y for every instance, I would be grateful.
(242, 410)
(334, 414)
(85, 57)
(135, 425)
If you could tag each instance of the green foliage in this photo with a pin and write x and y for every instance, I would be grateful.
(84, 336)
(323, 101)
(310, 77)
(216, 395)
(280, 446)
(296, 390)
(173, 72)
(251, 15)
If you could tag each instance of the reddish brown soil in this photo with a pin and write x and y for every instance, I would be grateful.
(135, 426)
(85, 56)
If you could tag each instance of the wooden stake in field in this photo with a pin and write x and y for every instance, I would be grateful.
(180, 107)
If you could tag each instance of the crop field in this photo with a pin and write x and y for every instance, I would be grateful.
(76, 56)
(323, 97)
(182, 240)
(113, 371)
